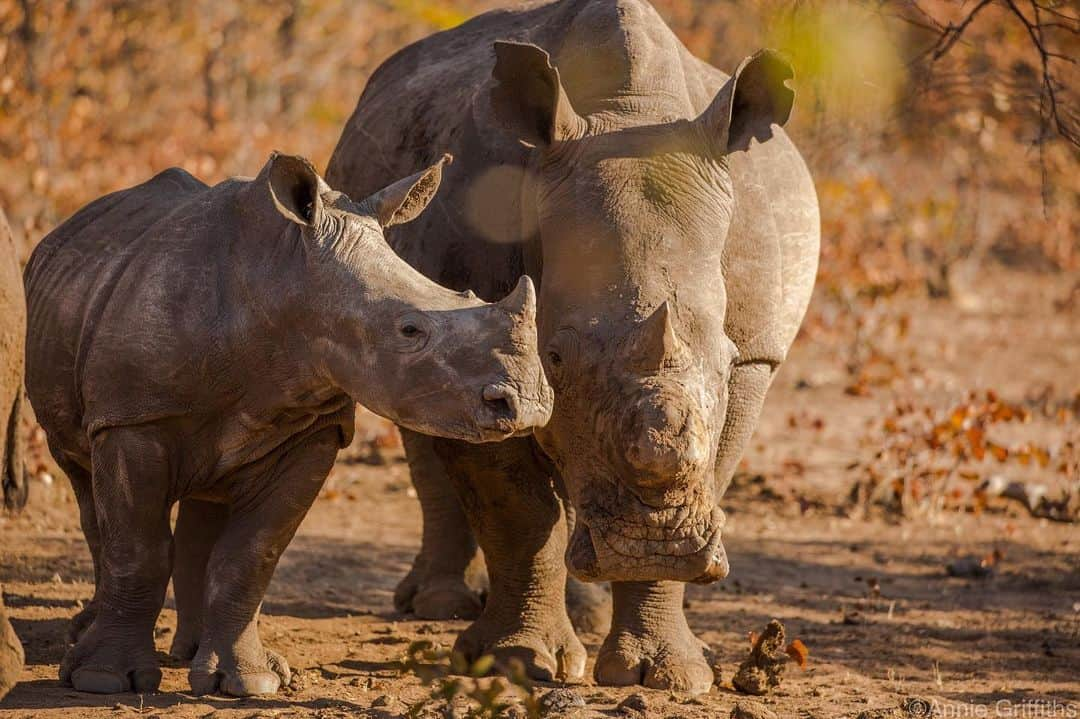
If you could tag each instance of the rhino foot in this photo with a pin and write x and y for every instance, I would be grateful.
(589, 606)
(546, 653)
(243, 674)
(434, 596)
(676, 661)
(104, 662)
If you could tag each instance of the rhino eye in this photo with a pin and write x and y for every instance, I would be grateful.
(413, 332)
(555, 358)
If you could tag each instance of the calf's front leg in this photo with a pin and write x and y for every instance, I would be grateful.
(263, 518)
(130, 491)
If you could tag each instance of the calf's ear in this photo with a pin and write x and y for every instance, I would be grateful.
(528, 97)
(404, 200)
(295, 188)
(750, 102)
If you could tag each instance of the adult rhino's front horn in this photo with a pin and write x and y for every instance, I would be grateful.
(654, 345)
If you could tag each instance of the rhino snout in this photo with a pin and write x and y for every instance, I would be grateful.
(668, 444)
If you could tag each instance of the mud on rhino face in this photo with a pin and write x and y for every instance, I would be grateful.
(632, 218)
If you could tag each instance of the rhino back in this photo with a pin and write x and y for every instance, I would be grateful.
(86, 284)
(428, 98)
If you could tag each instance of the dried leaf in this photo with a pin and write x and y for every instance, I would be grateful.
(798, 651)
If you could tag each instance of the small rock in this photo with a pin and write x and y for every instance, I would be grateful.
(747, 710)
(970, 567)
(560, 700)
(57, 579)
(382, 701)
(634, 705)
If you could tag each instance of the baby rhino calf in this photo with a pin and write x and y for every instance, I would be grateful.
(206, 345)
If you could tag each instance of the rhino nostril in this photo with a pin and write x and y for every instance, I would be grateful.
(501, 401)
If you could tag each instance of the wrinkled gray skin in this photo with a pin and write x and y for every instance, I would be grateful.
(673, 230)
(206, 345)
(12, 352)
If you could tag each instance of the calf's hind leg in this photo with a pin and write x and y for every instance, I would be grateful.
(84, 496)
(263, 518)
(131, 478)
(199, 524)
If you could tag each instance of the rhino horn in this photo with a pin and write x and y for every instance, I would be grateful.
(522, 301)
(656, 346)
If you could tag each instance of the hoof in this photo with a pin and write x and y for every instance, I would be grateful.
(678, 667)
(544, 656)
(249, 685)
(437, 597)
(447, 602)
(104, 681)
(229, 680)
(109, 662)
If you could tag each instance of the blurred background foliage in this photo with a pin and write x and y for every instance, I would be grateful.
(933, 155)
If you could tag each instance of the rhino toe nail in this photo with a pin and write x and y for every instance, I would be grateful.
(254, 684)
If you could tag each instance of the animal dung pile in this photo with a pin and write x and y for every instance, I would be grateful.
(761, 671)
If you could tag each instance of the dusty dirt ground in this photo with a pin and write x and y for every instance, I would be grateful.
(867, 592)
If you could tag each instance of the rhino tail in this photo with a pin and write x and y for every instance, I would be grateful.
(16, 484)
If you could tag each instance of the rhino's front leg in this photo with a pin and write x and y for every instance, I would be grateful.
(519, 521)
(435, 587)
(199, 525)
(131, 478)
(263, 518)
(650, 642)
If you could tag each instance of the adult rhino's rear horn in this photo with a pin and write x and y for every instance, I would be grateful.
(655, 346)
(522, 301)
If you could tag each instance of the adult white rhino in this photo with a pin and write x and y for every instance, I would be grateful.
(673, 229)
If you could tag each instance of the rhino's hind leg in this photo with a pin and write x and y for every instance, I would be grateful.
(436, 586)
(231, 658)
(130, 489)
(518, 519)
(650, 642)
(84, 497)
(199, 524)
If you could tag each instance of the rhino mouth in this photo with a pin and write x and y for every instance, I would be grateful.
(668, 544)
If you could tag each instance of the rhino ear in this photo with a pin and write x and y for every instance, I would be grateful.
(295, 188)
(750, 103)
(528, 97)
(404, 200)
